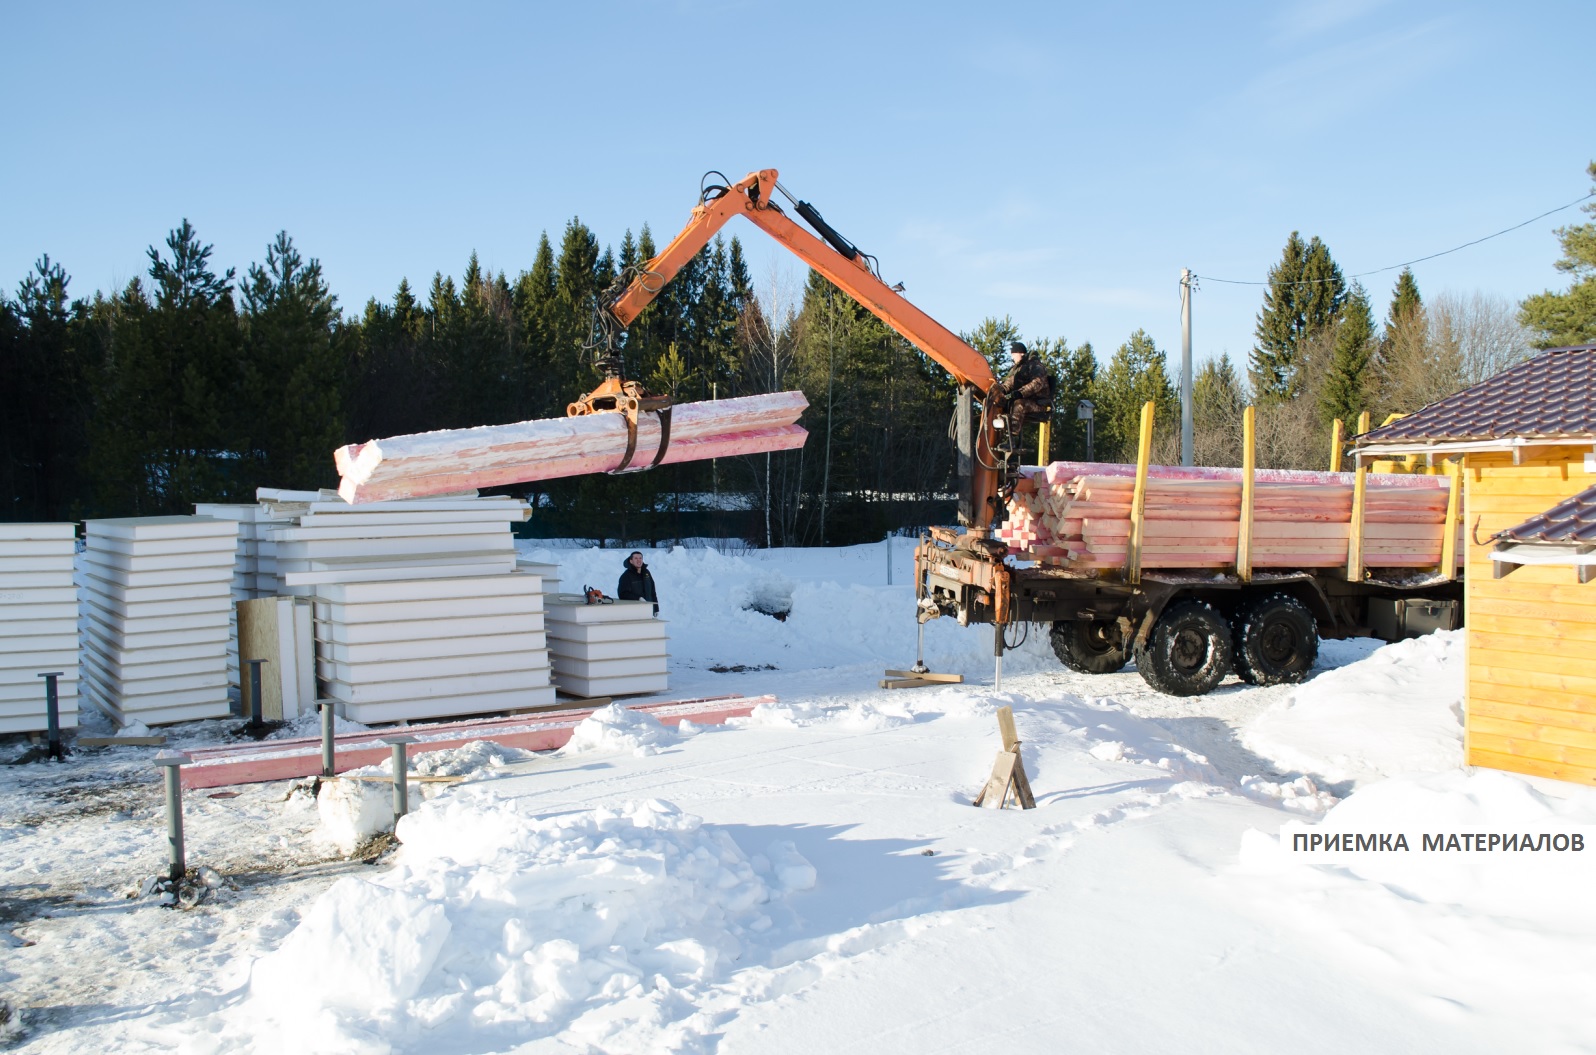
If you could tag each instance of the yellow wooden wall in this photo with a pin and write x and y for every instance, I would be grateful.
(1531, 635)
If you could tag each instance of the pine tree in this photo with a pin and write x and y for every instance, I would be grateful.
(1568, 318)
(1405, 300)
(292, 362)
(166, 435)
(1136, 374)
(992, 338)
(1344, 392)
(1218, 401)
(1305, 294)
(47, 359)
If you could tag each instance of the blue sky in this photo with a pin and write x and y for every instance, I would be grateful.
(1057, 163)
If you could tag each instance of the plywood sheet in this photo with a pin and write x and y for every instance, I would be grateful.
(168, 527)
(652, 630)
(322, 573)
(17, 618)
(384, 692)
(451, 706)
(433, 668)
(589, 651)
(16, 564)
(55, 594)
(417, 547)
(413, 630)
(572, 608)
(608, 668)
(433, 648)
(431, 610)
(24, 667)
(162, 547)
(37, 531)
(458, 584)
(579, 686)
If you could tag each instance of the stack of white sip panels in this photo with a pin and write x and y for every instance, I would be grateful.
(334, 542)
(38, 625)
(611, 649)
(249, 582)
(155, 631)
(430, 648)
(549, 573)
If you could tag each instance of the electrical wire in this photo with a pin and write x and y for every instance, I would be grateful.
(1409, 263)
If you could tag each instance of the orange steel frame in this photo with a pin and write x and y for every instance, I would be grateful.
(751, 197)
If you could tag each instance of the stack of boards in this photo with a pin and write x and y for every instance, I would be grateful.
(611, 649)
(38, 625)
(1078, 515)
(433, 647)
(154, 626)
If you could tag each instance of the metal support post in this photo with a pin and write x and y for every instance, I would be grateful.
(254, 690)
(919, 651)
(328, 766)
(997, 656)
(173, 762)
(52, 715)
(1188, 283)
(401, 774)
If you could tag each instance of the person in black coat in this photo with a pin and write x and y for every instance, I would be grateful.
(637, 582)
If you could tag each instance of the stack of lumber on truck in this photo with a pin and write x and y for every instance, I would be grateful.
(429, 648)
(610, 649)
(433, 463)
(1079, 515)
(38, 625)
(154, 627)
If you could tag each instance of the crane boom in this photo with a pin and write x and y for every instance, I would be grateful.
(750, 197)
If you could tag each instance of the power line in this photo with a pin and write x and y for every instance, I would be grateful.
(1410, 263)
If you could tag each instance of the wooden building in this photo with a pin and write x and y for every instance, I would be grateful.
(1525, 442)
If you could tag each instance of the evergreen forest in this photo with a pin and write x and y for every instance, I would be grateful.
(197, 384)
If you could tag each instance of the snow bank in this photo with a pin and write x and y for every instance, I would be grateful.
(839, 609)
(1399, 710)
(498, 928)
(620, 730)
(1499, 933)
(352, 811)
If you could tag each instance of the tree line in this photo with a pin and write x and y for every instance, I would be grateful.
(192, 384)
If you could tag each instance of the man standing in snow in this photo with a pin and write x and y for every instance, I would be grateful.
(637, 582)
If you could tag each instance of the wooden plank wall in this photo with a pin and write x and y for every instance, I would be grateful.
(1531, 635)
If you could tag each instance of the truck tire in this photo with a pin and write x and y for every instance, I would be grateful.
(1090, 646)
(1188, 651)
(1276, 640)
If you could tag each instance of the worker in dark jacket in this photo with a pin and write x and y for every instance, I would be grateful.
(1028, 389)
(637, 582)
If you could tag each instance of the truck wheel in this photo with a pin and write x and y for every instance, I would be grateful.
(1090, 646)
(1188, 651)
(1276, 639)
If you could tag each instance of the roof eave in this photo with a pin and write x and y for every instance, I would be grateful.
(1467, 446)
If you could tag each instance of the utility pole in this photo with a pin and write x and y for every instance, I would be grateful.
(1187, 442)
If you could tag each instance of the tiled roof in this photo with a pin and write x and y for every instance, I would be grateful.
(1550, 396)
(1571, 520)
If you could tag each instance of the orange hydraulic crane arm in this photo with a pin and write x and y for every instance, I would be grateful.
(751, 197)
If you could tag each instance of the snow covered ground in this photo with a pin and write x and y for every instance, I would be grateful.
(814, 878)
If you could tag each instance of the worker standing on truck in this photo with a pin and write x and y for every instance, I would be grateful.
(1028, 389)
(637, 582)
